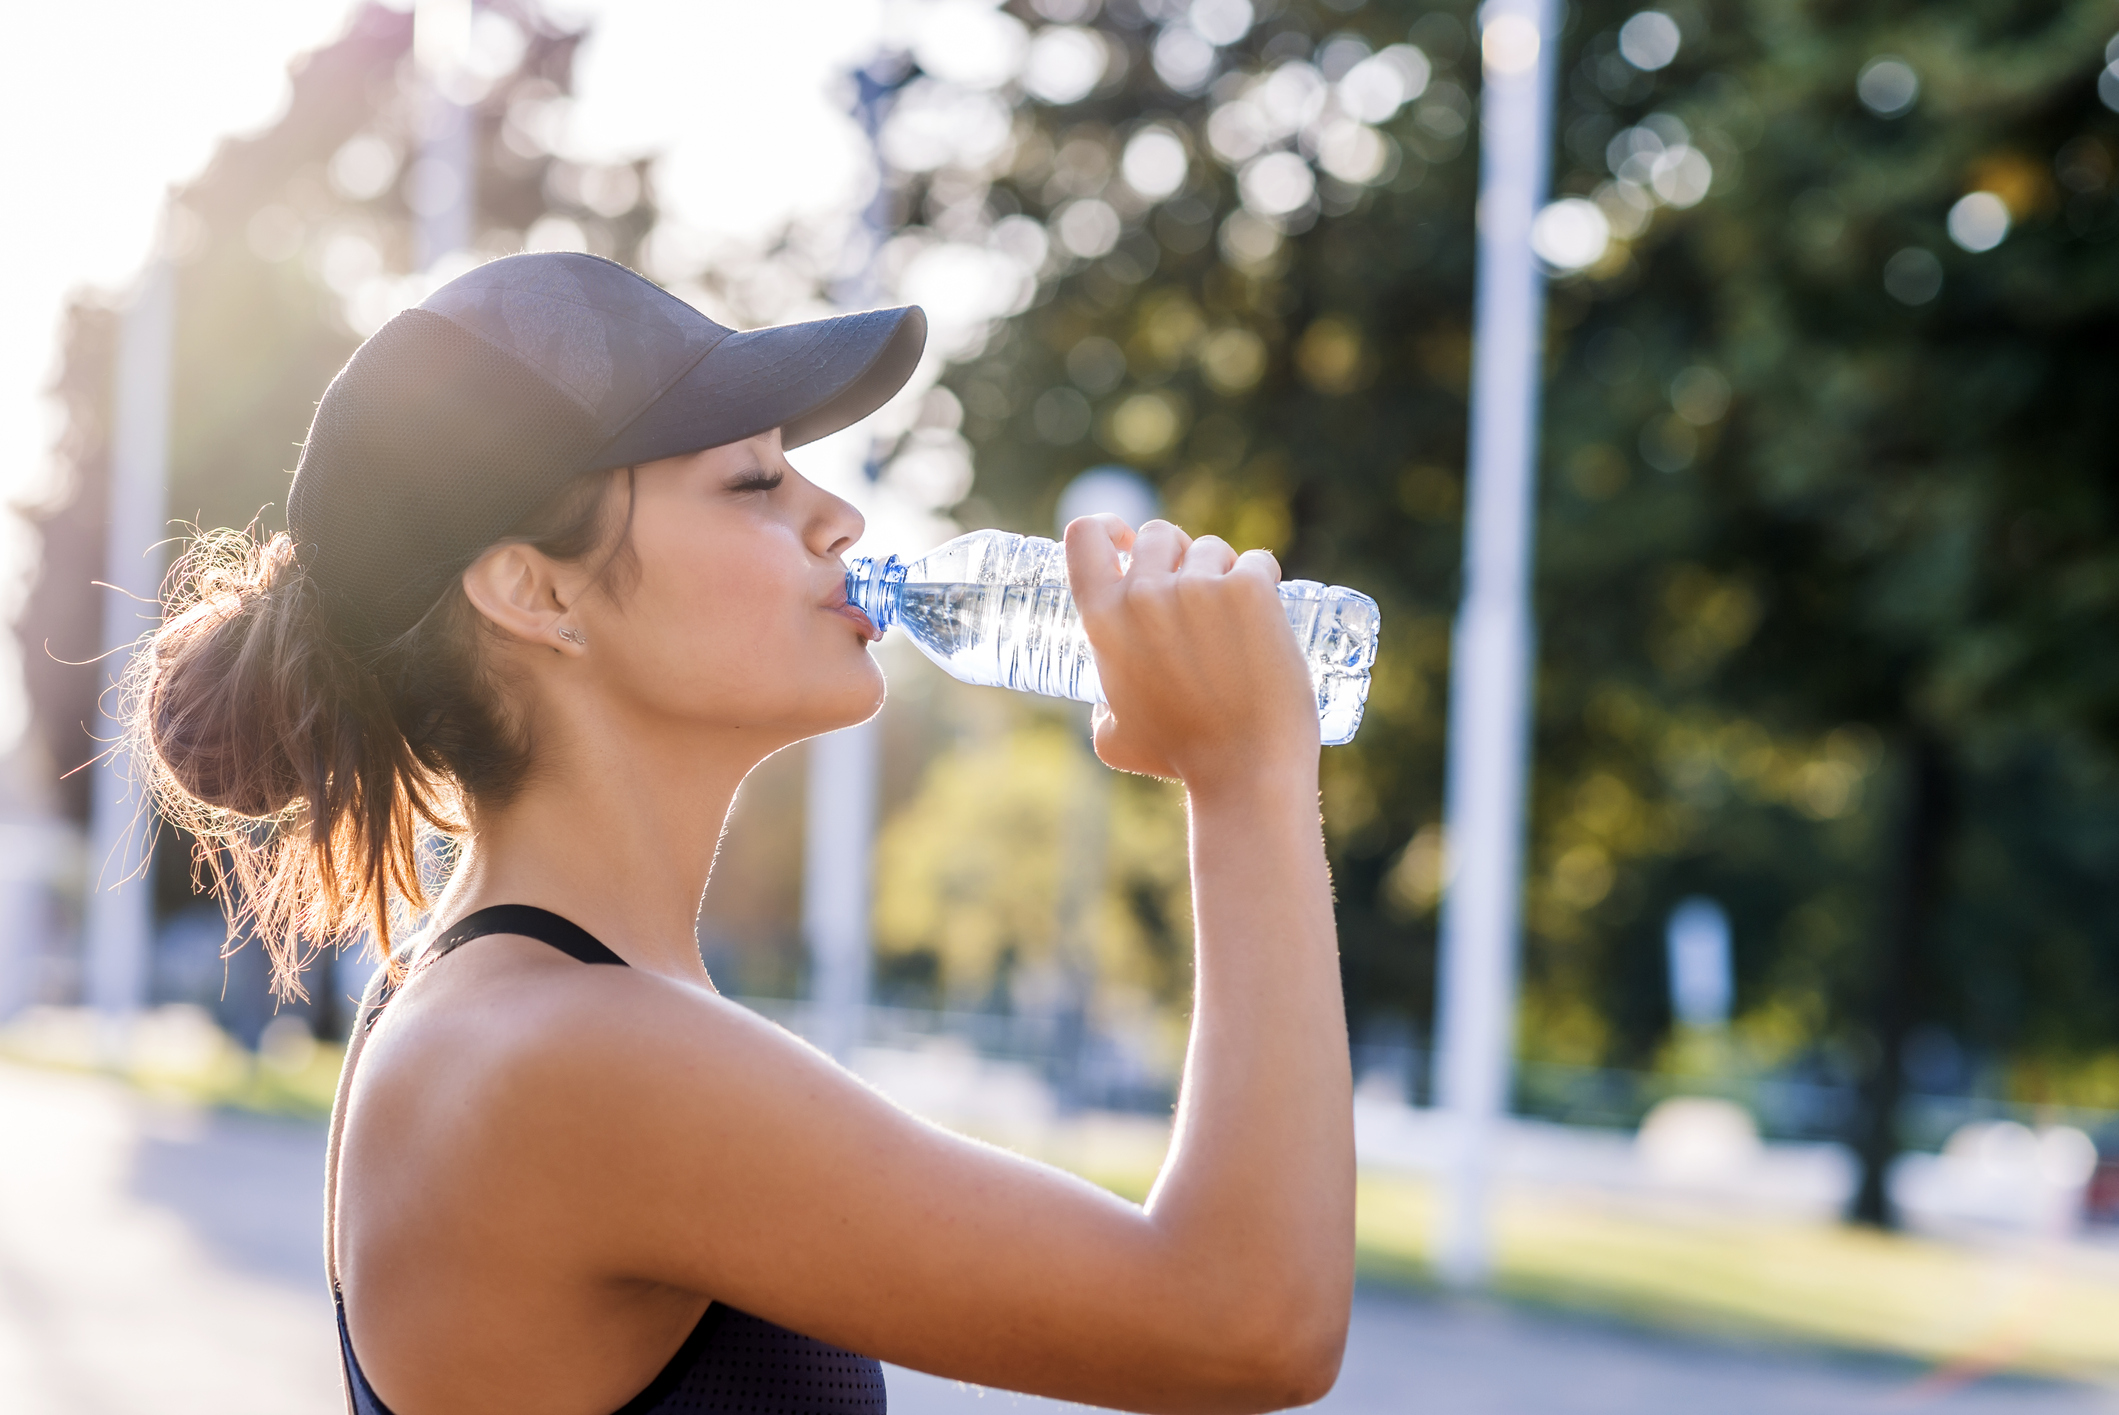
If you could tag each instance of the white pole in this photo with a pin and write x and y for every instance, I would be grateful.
(118, 929)
(839, 845)
(1085, 825)
(840, 803)
(1491, 656)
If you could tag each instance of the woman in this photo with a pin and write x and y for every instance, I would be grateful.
(552, 587)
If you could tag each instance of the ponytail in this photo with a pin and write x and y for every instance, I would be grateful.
(307, 775)
(280, 755)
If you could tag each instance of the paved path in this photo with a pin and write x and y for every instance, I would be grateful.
(156, 1261)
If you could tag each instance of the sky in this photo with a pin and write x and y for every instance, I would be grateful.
(112, 103)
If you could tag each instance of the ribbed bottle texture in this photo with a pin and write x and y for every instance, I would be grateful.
(994, 609)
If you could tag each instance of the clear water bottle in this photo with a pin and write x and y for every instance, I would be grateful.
(994, 609)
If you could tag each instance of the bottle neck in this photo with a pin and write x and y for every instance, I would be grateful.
(873, 588)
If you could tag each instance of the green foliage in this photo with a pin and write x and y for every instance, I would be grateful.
(1018, 859)
(1790, 522)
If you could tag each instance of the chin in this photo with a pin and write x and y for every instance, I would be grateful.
(844, 704)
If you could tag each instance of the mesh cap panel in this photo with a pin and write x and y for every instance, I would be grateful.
(429, 445)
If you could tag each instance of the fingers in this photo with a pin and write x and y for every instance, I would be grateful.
(1209, 556)
(1159, 546)
(1093, 546)
(1259, 562)
(1115, 527)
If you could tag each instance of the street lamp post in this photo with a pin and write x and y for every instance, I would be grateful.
(1489, 722)
(118, 922)
(1085, 822)
(839, 804)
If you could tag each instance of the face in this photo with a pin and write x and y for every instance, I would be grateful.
(736, 617)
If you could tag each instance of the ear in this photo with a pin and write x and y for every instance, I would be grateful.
(523, 594)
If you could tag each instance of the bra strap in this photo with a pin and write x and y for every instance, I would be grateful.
(527, 920)
(530, 921)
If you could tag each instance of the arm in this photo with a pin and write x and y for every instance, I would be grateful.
(728, 1159)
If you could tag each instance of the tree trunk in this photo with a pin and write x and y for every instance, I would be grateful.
(1915, 887)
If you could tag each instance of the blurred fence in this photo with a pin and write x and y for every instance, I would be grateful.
(1089, 1069)
(1784, 1107)
(1085, 1068)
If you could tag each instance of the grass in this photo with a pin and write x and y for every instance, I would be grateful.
(1969, 1311)
(178, 1054)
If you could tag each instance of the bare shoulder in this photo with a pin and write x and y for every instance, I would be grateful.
(523, 1031)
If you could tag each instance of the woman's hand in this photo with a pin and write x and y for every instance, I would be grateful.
(1203, 677)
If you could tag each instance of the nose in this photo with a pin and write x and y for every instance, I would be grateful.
(835, 524)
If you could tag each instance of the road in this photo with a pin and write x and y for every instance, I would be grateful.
(157, 1260)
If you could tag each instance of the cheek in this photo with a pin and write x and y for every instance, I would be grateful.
(729, 590)
(724, 615)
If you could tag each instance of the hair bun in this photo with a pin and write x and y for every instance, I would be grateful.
(233, 693)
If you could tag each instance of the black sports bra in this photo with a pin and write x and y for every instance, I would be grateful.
(732, 1362)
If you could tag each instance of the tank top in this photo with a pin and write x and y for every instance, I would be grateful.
(732, 1363)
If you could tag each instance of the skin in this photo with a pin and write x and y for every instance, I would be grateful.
(550, 1169)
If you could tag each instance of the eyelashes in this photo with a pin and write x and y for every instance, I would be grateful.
(757, 481)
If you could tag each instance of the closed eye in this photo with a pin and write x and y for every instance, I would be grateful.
(759, 480)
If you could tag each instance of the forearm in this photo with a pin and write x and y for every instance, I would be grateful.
(1261, 1167)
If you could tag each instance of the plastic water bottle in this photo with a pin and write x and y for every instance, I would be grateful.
(994, 609)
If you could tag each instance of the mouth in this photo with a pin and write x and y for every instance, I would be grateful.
(840, 605)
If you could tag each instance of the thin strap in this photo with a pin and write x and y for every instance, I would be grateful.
(371, 1000)
(524, 919)
(530, 921)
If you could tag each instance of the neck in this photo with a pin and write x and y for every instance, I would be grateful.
(617, 837)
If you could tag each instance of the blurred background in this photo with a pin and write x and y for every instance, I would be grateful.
(1813, 1095)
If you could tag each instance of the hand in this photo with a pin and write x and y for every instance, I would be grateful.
(1203, 677)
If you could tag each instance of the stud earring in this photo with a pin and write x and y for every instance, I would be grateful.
(574, 636)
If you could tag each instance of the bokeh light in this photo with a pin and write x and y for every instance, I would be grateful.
(1887, 86)
(1571, 234)
(1510, 44)
(1277, 184)
(1979, 221)
(1064, 65)
(1913, 276)
(1377, 87)
(1221, 22)
(970, 43)
(1155, 163)
(1650, 40)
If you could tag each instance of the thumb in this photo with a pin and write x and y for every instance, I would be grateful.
(1093, 570)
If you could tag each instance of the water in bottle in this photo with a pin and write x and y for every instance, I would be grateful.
(994, 609)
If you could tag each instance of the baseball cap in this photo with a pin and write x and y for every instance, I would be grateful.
(465, 413)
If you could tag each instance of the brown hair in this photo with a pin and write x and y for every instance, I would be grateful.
(308, 775)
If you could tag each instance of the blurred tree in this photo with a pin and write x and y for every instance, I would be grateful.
(1853, 331)
(1827, 565)
(292, 246)
(974, 872)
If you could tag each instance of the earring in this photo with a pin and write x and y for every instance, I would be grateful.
(574, 636)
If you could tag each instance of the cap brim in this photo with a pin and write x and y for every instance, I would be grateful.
(807, 379)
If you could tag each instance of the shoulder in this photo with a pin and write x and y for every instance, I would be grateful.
(529, 1040)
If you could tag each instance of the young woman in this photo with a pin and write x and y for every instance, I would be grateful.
(552, 587)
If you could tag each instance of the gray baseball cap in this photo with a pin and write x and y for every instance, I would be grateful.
(463, 415)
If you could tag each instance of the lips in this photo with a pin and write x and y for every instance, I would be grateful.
(839, 604)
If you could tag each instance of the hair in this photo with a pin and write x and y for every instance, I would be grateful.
(311, 777)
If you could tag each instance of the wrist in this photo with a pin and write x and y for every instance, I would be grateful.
(1255, 786)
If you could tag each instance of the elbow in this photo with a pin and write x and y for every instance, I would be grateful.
(1308, 1365)
(1289, 1357)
